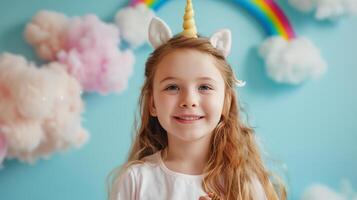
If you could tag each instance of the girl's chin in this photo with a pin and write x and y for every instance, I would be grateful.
(191, 137)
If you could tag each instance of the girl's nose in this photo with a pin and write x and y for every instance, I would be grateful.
(189, 99)
(187, 105)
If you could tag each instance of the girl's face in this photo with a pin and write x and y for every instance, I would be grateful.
(188, 94)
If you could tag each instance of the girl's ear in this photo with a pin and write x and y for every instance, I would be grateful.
(152, 107)
(222, 40)
(159, 32)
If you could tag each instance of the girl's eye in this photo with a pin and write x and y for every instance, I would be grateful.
(172, 88)
(205, 87)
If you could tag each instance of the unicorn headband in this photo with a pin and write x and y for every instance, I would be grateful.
(160, 33)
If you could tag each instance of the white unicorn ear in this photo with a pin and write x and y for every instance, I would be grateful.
(222, 40)
(159, 32)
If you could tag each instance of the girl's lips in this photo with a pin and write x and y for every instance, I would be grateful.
(187, 119)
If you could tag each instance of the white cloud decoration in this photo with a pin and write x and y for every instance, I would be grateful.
(326, 9)
(292, 61)
(133, 23)
(323, 192)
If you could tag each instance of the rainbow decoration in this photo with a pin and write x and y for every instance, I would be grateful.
(270, 16)
(267, 12)
(153, 4)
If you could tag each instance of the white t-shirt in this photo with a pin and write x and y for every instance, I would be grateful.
(152, 180)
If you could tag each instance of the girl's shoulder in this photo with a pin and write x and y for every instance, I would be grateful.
(148, 163)
(153, 159)
(133, 172)
(132, 175)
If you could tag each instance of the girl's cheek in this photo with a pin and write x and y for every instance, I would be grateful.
(167, 100)
(169, 97)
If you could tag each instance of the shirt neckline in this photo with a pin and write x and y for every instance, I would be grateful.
(174, 173)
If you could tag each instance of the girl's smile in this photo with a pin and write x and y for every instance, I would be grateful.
(188, 119)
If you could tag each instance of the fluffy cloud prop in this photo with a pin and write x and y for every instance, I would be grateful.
(291, 61)
(40, 109)
(326, 9)
(46, 33)
(323, 192)
(86, 46)
(93, 57)
(133, 23)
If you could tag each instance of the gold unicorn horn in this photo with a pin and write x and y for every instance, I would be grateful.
(189, 26)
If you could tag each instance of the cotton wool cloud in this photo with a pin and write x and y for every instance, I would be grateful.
(320, 191)
(326, 9)
(133, 23)
(292, 61)
(40, 110)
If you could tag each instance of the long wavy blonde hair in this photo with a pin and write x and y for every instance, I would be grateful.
(234, 155)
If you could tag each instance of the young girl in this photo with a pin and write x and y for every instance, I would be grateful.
(191, 143)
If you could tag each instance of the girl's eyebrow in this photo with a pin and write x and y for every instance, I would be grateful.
(207, 79)
(168, 78)
(200, 78)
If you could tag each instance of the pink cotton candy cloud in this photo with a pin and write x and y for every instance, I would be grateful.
(93, 57)
(40, 109)
(46, 33)
(87, 47)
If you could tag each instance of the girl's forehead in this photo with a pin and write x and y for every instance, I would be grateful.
(186, 56)
(188, 64)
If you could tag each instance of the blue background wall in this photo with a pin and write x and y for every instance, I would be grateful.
(310, 129)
